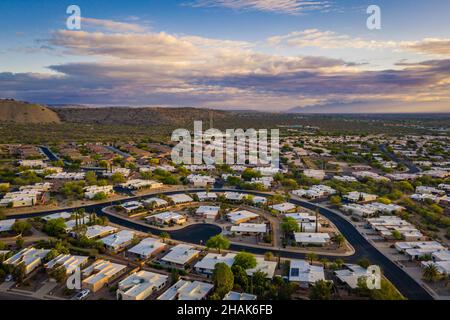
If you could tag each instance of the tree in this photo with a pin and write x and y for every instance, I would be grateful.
(248, 174)
(21, 227)
(91, 178)
(164, 236)
(19, 272)
(430, 272)
(321, 290)
(240, 277)
(103, 164)
(397, 235)
(335, 200)
(58, 273)
(100, 196)
(289, 225)
(268, 256)
(364, 262)
(20, 242)
(117, 178)
(55, 227)
(218, 242)
(223, 279)
(245, 260)
(339, 239)
(311, 256)
(52, 254)
(339, 262)
(2, 245)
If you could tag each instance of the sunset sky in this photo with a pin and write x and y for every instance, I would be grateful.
(267, 55)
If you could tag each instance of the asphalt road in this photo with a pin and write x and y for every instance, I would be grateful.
(412, 168)
(201, 232)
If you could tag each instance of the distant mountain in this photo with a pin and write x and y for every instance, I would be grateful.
(138, 116)
(353, 107)
(24, 112)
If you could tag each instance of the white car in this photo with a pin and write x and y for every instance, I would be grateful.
(82, 294)
(9, 278)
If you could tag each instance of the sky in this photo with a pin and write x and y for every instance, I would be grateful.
(265, 55)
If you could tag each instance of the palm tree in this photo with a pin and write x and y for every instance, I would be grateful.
(317, 220)
(430, 272)
(339, 262)
(164, 236)
(311, 256)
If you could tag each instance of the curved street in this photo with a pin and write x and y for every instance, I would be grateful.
(199, 233)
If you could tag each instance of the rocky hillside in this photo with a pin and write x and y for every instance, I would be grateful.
(24, 112)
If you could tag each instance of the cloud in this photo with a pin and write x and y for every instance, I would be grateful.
(157, 68)
(432, 46)
(292, 7)
(111, 25)
(327, 40)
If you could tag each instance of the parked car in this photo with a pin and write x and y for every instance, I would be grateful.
(81, 295)
(9, 278)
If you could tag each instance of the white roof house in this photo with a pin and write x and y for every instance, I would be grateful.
(441, 255)
(69, 262)
(208, 212)
(315, 174)
(140, 285)
(97, 231)
(234, 196)
(301, 216)
(283, 207)
(356, 196)
(268, 267)
(167, 217)
(131, 205)
(6, 225)
(240, 216)
(180, 255)
(207, 264)
(59, 215)
(311, 238)
(40, 187)
(303, 272)
(91, 191)
(25, 198)
(205, 196)
(187, 290)
(99, 273)
(200, 180)
(386, 225)
(180, 198)
(32, 163)
(31, 257)
(359, 210)
(351, 275)
(316, 191)
(119, 240)
(417, 249)
(259, 200)
(238, 296)
(250, 228)
(66, 176)
(147, 247)
(158, 201)
(140, 183)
